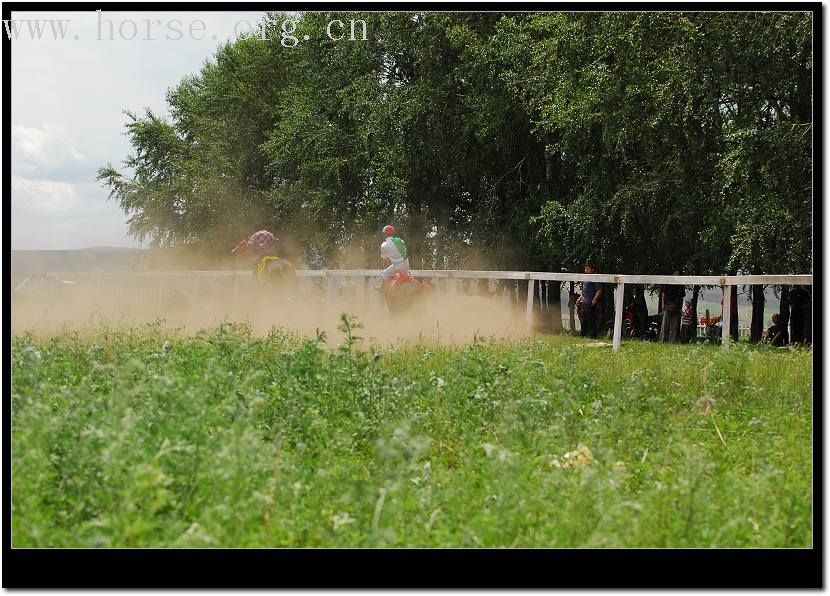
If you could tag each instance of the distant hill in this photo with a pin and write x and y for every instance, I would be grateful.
(111, 248)
(104, 258)
(116, 258)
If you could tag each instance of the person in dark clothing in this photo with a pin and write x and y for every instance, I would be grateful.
(639, 308)
(777, 333)
(799, 305)
(591, 295)
(671, 300)
(688, 325)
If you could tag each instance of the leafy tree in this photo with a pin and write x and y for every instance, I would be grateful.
(647, 141)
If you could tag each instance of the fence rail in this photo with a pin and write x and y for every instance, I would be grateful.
(724, 281)
(686, 280)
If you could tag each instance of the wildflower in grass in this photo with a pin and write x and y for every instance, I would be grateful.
(705, 404)
(195, 534)
(32, 354)
(341, 519)
(427, 471)
(496, 451)
(579, 458)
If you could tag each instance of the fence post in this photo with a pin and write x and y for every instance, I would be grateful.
(529, 313)
(618, 307)
(727, 317)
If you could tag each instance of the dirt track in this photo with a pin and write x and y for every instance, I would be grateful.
(442, 316)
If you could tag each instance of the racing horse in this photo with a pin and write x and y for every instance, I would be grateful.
(404, 292)
(269, 270)
(275, 271)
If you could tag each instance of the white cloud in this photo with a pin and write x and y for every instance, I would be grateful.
(47, 146)
(68, 99)
(50, 214)
(46, 198)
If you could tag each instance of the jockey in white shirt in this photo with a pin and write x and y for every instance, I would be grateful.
(393, 249)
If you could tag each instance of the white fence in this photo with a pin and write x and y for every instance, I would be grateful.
(726, 282)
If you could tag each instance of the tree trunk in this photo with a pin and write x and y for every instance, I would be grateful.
(733, 324)
(572, 305)
(784, 309)
(547, 311)
(541, 312)
(416, 238)
(521, 299)
(628, 294)
(756, 326)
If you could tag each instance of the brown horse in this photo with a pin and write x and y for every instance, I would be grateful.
(403, 292)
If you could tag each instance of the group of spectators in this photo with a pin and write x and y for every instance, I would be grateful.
(797, 309)
(677, 321)
(679, 324)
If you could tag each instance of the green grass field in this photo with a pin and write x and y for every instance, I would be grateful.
(146, 437)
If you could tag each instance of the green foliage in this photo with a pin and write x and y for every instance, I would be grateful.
(145, 437)
(647, 141)
(649, 113)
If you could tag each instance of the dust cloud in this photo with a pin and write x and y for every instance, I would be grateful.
(449, 312)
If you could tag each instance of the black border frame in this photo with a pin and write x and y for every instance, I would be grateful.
(420, 568)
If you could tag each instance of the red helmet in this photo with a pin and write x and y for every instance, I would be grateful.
(388, 230)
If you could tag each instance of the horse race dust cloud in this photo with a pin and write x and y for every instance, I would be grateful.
(445, 315)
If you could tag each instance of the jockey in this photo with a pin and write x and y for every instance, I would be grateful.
(258, 245)
(393, 249)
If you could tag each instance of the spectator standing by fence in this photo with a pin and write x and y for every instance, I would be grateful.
(589, 301)
(671, 299)
(688, 325)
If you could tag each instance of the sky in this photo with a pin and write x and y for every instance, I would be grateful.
(68, 101)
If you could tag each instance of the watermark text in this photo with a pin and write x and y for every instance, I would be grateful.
(124, 29)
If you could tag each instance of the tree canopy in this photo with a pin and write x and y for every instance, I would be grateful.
(648, 142)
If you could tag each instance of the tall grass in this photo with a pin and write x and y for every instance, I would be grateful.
(148, 437)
